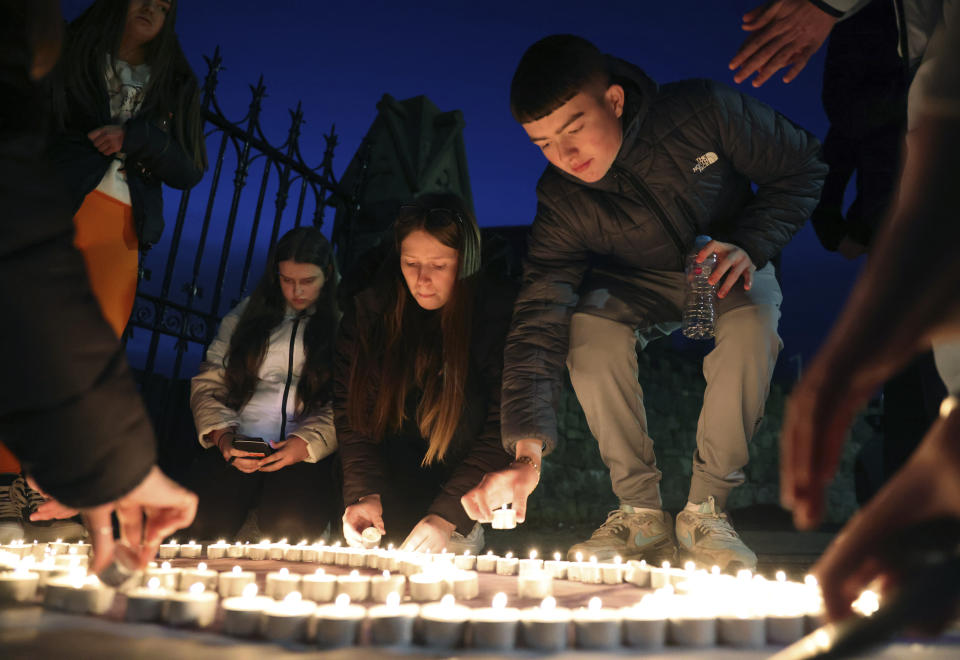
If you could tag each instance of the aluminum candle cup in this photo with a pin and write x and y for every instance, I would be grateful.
(319, 587)
(281, 583)
(337, 624)
(169, 577)
(573, 568)
(546, 628)
(277, 551)
(596, 627)
(442, 624)
(146, 603)
(536, 584)
(690, 624)
(644, 624)
(310, 553)
(46, 570)
(354, 585)
(556, 567)
(465, 562)
(195, 607)
(191, 550)
(504, 518)
(784, 628)
(236, 551)
(18, 586)
(382, 586)
(328, 554)
(242, 614)
(357, 557)
(257, 552)
(612, 573)
(487, 563)
(532, 565)
(289, 620)
(465, 585)
(507, 565)
(426, 587)
(81, 548)
(371, 537)
(637, 572)
(494, 628)
(168, 550)
(392, 624)
(746, 631)
(293, 553)
(78, 594)
(72, 561)
(201, 574)
(218, 550)
(590, 572)
(231, 583)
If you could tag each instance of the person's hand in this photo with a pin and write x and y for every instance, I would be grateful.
(431, 534)
(732, 263)
(245, 461)
(513, 484)
(286, 452)
(149, 513)
(51, 509)
(784, 33)
(107, 139)
(368, 512)
(819, 412)
(927, 487)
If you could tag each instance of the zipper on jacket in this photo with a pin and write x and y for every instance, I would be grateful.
(286, 387)
(654, 204)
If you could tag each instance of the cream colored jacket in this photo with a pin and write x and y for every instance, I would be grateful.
(263, 415)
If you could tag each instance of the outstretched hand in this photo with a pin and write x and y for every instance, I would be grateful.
(152, 511)
(784, 33)
(512, 485)
(431, 534)
(368, 512)
(733, 262)
(925, 489)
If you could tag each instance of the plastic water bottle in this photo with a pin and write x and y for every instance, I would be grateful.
(700, 307)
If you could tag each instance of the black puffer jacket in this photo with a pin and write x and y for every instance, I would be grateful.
(689, 154)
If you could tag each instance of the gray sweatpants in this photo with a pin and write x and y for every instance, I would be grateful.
(602, 360)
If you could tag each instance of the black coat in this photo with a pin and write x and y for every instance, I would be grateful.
(689, 154)
(153, 156)
(475, 449)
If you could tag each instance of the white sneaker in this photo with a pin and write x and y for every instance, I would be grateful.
(629, 533)
(11, 509)
(67, 529)
(707, 537)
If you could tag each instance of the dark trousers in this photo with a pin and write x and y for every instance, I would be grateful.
(296, 502)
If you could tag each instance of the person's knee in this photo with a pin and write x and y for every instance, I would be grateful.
(753, 329)
(599, 346)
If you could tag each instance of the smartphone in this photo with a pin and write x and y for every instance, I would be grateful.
(252, 445)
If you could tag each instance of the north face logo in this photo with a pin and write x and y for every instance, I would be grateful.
(705, 161)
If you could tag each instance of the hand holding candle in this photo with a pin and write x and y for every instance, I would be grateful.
(512, 485)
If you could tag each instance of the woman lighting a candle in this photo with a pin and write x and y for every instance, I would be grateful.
(417, 390)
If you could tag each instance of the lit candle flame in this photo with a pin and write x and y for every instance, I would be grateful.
(556, 556)
(236, 570)
(250, 591)
(153, 584)
(499, 601)
(393, 600)
(165, 566)
(284, 571)
(196, 588)
(508, 555)
(533, 554)
(342, 601)
(202, 566)
(354, 573)
(293, 597)
(579, 556)
(319, 571)
(549, 603)
(595, 604)
(690, 567)
(665, 565)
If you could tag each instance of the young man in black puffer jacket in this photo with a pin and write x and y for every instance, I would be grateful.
(637, 171)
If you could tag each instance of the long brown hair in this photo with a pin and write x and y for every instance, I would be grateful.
(403, 348)
(78, 85)
(265, 311)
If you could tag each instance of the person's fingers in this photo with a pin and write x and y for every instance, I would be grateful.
(724, 264)
(733, 275)
(98, 523)
(782, 58)
(53, 510)
(520, 502)
(748, 278)
(273, 465)
(350, 534)
(761, 16)
(799, 62)
(239, 453)
(761, 57)
(95, 133)
(466, 501)
(707, 250)
(131, 524)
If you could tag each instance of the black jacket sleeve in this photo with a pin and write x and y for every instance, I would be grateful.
(69, 409)
(537, 345)
(782, 159)
(157, 151)
(486, 453)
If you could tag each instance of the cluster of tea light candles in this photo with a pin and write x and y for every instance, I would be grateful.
(416, 598)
